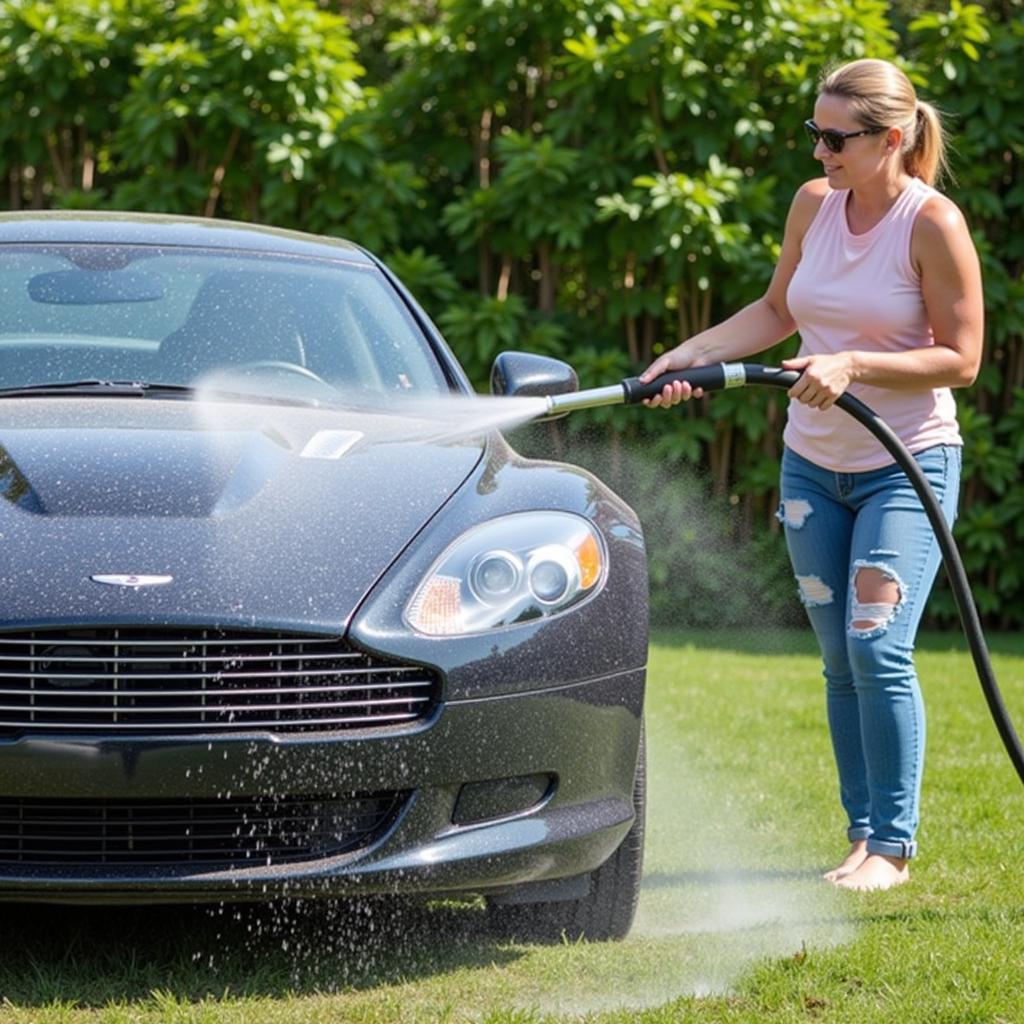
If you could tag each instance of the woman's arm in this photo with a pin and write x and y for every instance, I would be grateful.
(755, 327)
(943, 253)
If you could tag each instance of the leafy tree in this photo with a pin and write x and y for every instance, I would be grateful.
(64, 67)
(230, 95)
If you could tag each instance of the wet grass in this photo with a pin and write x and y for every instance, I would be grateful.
(734, 924)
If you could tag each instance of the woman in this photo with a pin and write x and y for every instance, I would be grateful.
(878, 273)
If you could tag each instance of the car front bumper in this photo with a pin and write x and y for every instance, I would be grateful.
(584, 736)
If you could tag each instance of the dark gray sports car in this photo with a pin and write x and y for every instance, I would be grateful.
(269, 625)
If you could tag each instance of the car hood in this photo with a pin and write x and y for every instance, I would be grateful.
(261, 514)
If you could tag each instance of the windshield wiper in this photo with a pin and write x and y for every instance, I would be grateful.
(103, 387)
(144, 388)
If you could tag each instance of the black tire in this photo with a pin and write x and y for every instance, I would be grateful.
(608, 909)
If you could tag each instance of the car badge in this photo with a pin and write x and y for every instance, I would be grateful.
(131, 580)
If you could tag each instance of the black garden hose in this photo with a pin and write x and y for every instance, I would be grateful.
(727, 375)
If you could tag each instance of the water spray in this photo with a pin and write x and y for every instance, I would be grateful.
(733, 375)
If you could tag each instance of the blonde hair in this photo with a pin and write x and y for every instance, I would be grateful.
(881, 96)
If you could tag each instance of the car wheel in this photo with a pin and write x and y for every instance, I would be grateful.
(607, 910)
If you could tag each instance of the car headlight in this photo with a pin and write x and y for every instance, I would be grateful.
(510, 570)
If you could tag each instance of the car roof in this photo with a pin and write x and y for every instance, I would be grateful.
(122, 228)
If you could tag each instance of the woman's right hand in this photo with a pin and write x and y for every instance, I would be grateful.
(678, 358)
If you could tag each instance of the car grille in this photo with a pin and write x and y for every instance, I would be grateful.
(134, 680)
(227, 833)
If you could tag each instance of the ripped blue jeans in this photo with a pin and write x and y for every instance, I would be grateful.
(837, 525)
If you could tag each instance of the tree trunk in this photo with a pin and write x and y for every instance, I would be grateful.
(482, 147)
(548, 278)
(720, 458)
(88, 163)
(33, 176)
(67, 145)
(650, 336)
(504, 278)
(700, 302)
(14, 193)
(655, 108)
(628, 283)
(61, 173)
(683, 329)
(213, 195)
(632, 344)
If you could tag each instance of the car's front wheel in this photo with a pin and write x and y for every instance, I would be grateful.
(608, 908)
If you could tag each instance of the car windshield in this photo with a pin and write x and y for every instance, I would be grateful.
(261, 324)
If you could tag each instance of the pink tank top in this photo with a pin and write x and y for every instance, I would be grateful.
(860, 292)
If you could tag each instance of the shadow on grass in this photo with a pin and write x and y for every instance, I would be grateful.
(94, 956)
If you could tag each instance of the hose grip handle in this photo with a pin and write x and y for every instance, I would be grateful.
(711, 378)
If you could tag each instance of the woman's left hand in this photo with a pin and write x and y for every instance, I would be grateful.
(823, 378)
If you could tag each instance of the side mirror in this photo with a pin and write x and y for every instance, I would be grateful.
(528, 375)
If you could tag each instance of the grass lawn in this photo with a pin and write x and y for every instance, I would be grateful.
(734, 924)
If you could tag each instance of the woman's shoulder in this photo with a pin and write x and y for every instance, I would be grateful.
(816, 188)
(807, 202)
(940, 230)
(938, 214)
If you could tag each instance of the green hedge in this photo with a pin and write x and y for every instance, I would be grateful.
(586, 178)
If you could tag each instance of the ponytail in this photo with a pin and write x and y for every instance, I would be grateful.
(925, 158)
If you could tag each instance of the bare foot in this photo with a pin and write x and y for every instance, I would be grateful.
(857, 855)
(876, 872)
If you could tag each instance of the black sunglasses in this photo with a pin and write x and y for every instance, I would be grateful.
(833, 138)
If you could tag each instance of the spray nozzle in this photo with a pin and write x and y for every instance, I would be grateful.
(711, 378)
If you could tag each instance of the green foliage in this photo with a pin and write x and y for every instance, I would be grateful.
(479, 328)
(232, 93)
(64, 66)
(250, 109)
(590, 179)
(426, 276)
